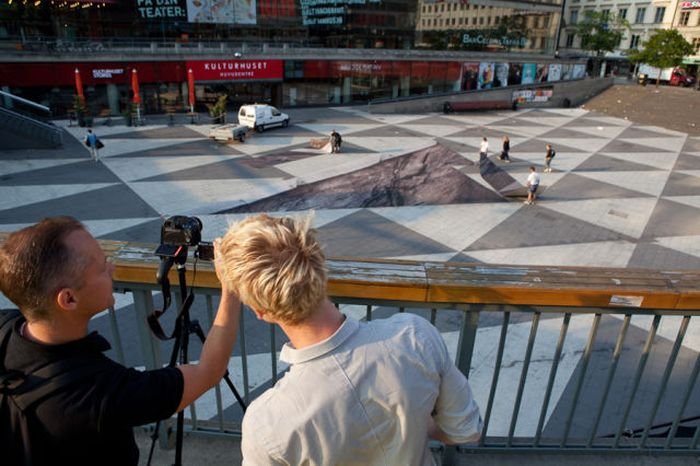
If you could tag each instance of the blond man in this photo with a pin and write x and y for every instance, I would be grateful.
(370, 393)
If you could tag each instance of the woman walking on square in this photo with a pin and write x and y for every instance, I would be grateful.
(506, 149)
(548, 156)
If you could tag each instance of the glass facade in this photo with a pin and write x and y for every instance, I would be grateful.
(344, 51)
(378, 24)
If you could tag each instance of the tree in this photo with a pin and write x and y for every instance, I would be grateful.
(601, 32)
(664, 49)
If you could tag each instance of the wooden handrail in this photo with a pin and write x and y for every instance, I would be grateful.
(435, 282)
(455, 283)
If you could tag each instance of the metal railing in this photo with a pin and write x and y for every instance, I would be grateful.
(559, 359)
(28, 118)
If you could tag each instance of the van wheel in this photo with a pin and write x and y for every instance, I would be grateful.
(261, 128)
(285, 123)
(241, 138)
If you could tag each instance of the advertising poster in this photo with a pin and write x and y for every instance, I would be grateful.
(501, 75)
(515, 74)
(542, 73)
(529, 71)
(554, 72)
(533, 95)
(566, 72)
(485, 75)
(470, 76)
(221, 11)
(578, 71)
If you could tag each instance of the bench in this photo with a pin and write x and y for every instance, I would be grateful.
(106, 115)
(451, 107)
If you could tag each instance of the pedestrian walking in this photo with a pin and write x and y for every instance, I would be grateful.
(533, 182)
(93, 143)
(336, 141)
(484, 150)
(506, 149)
(548, 156)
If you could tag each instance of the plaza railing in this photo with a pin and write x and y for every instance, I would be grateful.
(560, 359)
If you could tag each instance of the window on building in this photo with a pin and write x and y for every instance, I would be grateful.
(696, 44)
(545, 21)
(634, 41)
(474, 20)
(622, 13)
(659, 14)
(574, 17)
(639, 18)
(488, 20)
(685, 17)
(570, 40)
(497, 20)
(481, 21)
(605, 14)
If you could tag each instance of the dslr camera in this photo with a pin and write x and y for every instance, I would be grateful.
(180, 231)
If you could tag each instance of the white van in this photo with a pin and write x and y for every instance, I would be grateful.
(261, 116)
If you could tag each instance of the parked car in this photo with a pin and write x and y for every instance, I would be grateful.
(261, 116)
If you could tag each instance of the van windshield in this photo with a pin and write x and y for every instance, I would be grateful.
(275, 112)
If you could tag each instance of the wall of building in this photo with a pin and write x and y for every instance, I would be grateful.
(577, 92)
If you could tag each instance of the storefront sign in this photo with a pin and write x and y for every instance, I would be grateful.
(690, 5)
(160, 9)
(484, 40)
(106, 73)
(233, 70)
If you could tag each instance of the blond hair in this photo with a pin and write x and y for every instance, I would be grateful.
(275, 265)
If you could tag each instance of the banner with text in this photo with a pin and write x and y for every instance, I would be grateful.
(162, 9)
(329, 12)
(236, 70)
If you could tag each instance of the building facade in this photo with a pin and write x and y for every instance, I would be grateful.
(286, 52)
(644, 17)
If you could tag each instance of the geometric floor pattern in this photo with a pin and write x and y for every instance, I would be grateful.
(628, 195)
(619, 195)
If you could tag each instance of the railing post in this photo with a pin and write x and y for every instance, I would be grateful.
(467, 337)
(143, 305)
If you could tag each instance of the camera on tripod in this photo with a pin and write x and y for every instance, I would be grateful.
(179, 232)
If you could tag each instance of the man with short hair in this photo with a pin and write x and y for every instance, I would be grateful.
(59, 277)
(370, 393)
(533, 182)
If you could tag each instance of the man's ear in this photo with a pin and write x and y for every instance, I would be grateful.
(261, 314)
(65, 299)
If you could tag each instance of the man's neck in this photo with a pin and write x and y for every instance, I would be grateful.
(324, 323)
(53, 333)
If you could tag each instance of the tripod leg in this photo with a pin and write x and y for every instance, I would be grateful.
(197, 329)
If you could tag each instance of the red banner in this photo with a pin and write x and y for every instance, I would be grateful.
(237, 70)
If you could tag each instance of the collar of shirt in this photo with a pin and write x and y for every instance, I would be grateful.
(26, 352)
(290, 355)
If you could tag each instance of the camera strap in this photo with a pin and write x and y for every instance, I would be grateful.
(153, 318)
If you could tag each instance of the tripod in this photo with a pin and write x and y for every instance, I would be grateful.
(184, 327)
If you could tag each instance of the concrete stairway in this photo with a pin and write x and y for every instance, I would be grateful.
(19, 131)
